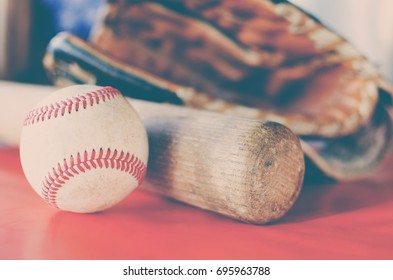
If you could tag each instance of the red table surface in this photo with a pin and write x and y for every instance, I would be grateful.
(336, 221)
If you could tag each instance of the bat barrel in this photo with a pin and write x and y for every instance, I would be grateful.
(245, 169)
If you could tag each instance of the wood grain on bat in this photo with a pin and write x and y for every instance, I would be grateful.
(243, 168)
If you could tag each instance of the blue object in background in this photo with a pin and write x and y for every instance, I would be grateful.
(50, 17)
(75, 16)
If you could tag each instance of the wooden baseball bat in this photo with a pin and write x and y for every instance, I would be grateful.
(245, 169)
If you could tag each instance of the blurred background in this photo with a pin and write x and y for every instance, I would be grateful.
(26, 26)
(367, 24)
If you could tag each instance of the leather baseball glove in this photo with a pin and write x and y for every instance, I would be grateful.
(253, 58)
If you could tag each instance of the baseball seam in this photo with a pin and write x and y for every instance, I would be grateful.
(69, 105)
(81, 163)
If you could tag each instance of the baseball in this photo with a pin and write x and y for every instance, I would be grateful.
(83, 148)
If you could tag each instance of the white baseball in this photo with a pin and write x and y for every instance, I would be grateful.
(84, 148)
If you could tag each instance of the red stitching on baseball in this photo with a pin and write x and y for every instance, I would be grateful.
(67, 106)
(75, 165)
